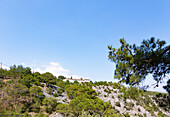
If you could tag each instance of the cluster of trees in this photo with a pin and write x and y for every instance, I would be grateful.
(22, 92)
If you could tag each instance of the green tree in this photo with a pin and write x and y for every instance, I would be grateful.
(48, 78)
(29, 80)
(16, 90)
(19, 71)
(50, 104)
(13, 71)
(61, 77)
(134, 63)
(36, 92)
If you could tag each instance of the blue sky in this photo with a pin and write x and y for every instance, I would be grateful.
(70, 37)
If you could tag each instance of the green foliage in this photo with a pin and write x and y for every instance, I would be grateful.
(63, 109)
(61, 77)
(139, 109)
(130, 105)
(16, 90)
(49, 90)
(119, 96)
(23, 93)
(87, 114)
(116, 85)
(75, 90)
(35, 107)
(18, 71)
(167, 87)
(134, 63)
(110, 113)
(59, 91)
(76, 82)
(132, 92)
(118, 104)
(41, 115)
(160, 114)
(126, 114)
(81, 103)
(29, 80)
(55, 95)
(48, 78)
(50, 104)
(37, 92)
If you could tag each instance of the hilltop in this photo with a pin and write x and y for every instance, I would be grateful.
(23, 93)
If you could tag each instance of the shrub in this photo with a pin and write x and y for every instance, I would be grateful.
(59, 91)
(50, 104)
(139, 115)
(132, 92)
(139, 109)
(160, 114)
(41, 115)
(55, 95)
(144, 115)
(119, 96)
(62, 108)
(49, 90)
(118, 104)
(127, 108)
(35, 107)
(127, 115)
(130, 104)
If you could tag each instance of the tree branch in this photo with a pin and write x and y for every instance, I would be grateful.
(168, 48)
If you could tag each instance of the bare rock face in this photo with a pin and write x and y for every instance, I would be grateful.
(114, 97)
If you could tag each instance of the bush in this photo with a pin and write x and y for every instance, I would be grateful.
(119, 96)
(127, 115)
(41, 115)
(59, 91)
(35, 107)
(118, 104)
(55, 95)
(132, 93)
(160, 114)
(50, 104)
(130, 104)
(139, 109)
(62, 109)
(49, 90)
(36, 92)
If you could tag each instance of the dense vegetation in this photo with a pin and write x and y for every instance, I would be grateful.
(24, 93)
(134, 63)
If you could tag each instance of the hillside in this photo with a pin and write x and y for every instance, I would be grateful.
(23, 93)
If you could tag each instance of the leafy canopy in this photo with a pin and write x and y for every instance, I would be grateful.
(134, 63)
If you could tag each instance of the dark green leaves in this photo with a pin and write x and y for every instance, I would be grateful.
(134, 63)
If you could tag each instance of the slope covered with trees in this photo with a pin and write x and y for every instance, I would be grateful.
(24, 93)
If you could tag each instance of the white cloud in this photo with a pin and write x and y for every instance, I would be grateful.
(5, 67)
(56, 69)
